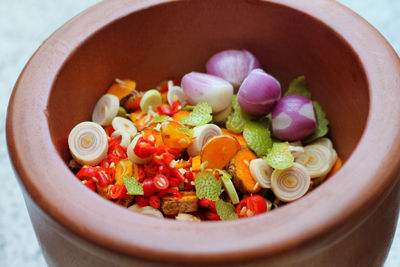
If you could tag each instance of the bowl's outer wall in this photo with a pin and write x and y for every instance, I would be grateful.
(358, 90)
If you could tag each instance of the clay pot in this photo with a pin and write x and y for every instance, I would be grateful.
(352, 71)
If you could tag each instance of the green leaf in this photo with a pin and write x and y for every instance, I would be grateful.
(258, 137)
(224, 174)
(322, 124)
(207, 186)
(161, 118)
(280, 157)
(299, 87)
(225, 210)
(238, 119)
(200, 115)
(133, 186)
(188, 108)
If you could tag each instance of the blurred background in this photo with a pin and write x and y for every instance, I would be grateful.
(24, 25)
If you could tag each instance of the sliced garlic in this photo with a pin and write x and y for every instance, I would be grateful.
(320, 161)
(175, 93)
(187, 217)
(125, 138)
(147, 210)
(202, 134)
(131, 153)
(261, 172)
(106, 109)
(290, 184)
(88, 143)
(119, 123)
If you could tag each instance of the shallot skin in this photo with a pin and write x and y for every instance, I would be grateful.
(232, 65)
(293, 118)
(259, 93)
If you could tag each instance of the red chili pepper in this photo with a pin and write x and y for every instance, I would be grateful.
(155, 202)
(87, 173)
(176, 173)
(176, 106)
(206, 203)
(164, 88)
(142, 201)
(90, 184)
(162, 169)
(148, 187)
(212, 216)
(167, 158)
(102, 178)
(151, 169)
(144, 149)
(189, 177)
(251, 206)
(174, 182)
(164, 148)
(170, 191)
(118, 191)
(117, 150)
(161, 182)
(163, 110)
(109, 130)
(142, 174)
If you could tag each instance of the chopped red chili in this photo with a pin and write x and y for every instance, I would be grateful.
(155, 202)
(161, 182)
(148, 187)
(118, 191)
(170, 191)
(142, 201)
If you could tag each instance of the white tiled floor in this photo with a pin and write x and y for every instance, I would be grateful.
(24, 24)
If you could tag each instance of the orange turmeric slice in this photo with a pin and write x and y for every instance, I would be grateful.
(196, 164)
(240, 170)
(174, 138)
(239, 137)
(338, 164)
(180, 114)
(122, 88)
(122, 168)
(218, 151)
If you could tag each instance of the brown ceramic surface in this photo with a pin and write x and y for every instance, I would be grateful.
(352, 70)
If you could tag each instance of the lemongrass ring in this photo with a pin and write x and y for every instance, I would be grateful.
(106, 109)
(319, 162)
(125, 138)
(175, 93)
(132, 155)
(120, 123)
(323, 141)
(261, 172)
(88, 143)
(290, 184)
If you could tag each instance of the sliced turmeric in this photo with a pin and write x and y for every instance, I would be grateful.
(122, 168)
(338, 164)
(239, 137)
(240, 170)
(218, 151)
(196, 164)
(180, 114)
(122, 88)
(174, 138)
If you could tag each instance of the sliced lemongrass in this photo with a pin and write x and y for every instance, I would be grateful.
(125, 138)
(319, 162)
(222, 115)
(334, 157)
(88, 143)
(261, 172)
(175, 93)
(230, 189)
(202, 134)
(187, 217)
(301, 157)
(106, 109)
(290, 184)
(147, 210)
(269, 204)
(323, 141)
(119, 123)
(132, 155)
(150, 100)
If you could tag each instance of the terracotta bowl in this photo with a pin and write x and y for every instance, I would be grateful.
(353, 72)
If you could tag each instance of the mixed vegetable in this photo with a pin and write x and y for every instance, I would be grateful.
(221, 146)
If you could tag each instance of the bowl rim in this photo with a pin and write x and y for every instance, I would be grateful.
(138, 235)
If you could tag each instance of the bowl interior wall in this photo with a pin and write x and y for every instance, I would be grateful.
(167, 41)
